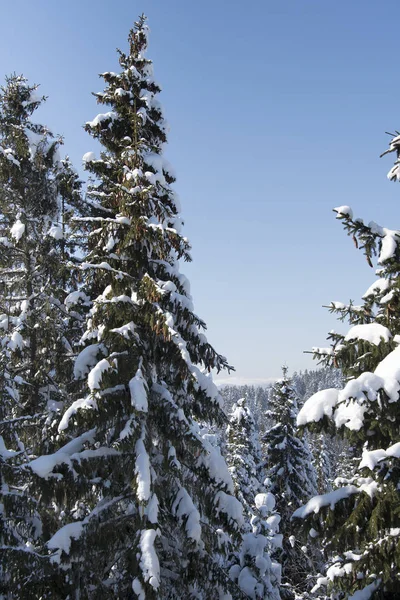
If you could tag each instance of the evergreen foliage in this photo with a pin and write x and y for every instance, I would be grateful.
(331, 454)
(256, 400)
(150, 507)
(360, 519)
(35, 350)
(256, 574)
(291, 479)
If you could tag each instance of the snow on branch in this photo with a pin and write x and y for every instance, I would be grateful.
(317, 406)
(142, 470)
(348, 406)
(389, 238)
(81, 404)
(9, 155)
(373, 333)
(62, 539)
(44, 465)
(371, 458)
(100, 118)
(330, 499)
(366, 485)
(4, 452)
(149, 562)
(183, 507)
(138, 387)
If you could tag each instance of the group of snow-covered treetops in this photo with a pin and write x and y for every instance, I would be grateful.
(121, 476)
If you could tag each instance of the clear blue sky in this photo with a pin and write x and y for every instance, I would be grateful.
(277, 112)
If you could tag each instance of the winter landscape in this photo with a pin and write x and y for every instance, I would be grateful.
(134, 463)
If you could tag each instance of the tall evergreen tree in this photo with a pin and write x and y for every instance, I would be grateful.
(35, 353)
(292, 480)
(360, 520)
(150, 500)
(257, 575)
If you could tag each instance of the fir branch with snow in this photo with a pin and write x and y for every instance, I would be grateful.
(359, 520)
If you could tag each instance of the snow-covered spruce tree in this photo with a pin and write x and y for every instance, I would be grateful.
(35, 354)
(150, 501)
(291, 479)
(243, 451)
(360, 520)
(257, 576)
(256, 397)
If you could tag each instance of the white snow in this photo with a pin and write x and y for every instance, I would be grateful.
(315, 504)
(4, 453)
(380, 285)
(149, 562)
(9, 154)
(152, 509)
(387, 297)
(348, 406)
(343, 211)
(317, 406)
(389, 245)
(17, 230)
(110, 244)
(86, 359)
(44, 465)
(389, 370)
(138, 390)
(339, 570)
(88, 157)
(390, 239)
(61, 540)
(183, 507)
(142, 470)
(4, 321)
(230, 506)
(248, 583)
(74, 297)
(366, 593)
(108, 116)
(323, 351)
(56, 232)
(367, 485)
(265, 502)
(82, 404)
(273, 523)
(216, 466)
(338, 305)
(371, 458)
(373, 333)
(16, 341)
(96, 374)
(350, 413)
(138, 589)
(119, 92)
(125, 330)
(394, 450)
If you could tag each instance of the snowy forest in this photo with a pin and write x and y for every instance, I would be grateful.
(125, 471)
